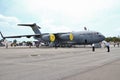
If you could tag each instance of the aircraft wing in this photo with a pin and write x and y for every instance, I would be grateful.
(47, 37)
(19, 36)
(28, 36)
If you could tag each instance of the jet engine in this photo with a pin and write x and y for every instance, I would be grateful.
(49, 38)
(66, 37)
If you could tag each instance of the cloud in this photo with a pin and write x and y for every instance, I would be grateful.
(8, 25)
(65, 15)
(52, 26)
(6, 21)
(118, 29)
(76, 9)
(70, 14)
(49, 26)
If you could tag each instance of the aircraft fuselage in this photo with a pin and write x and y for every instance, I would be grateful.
(87, 37)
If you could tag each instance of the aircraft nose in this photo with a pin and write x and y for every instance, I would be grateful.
(103, 37)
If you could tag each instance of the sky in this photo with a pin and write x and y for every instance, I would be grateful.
(60, 16)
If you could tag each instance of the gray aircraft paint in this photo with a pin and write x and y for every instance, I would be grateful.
(80, 37)
(87, 37)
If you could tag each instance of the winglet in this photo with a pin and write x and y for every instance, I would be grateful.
(2, 35)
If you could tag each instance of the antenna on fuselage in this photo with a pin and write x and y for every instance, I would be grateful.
(85, 28)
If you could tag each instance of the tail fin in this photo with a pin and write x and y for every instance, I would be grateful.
(34, 27)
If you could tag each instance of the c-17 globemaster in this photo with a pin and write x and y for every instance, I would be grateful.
(59, 39)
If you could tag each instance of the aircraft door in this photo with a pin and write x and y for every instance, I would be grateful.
(86, 41)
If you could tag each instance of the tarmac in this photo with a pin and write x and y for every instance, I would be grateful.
(23, 63)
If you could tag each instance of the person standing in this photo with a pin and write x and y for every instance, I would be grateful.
(6, 43)
(118, 44)
(93, 47)
(108, 46)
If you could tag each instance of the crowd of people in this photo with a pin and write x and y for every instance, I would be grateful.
(30, 44)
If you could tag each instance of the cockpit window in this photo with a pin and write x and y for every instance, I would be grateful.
(100, 35)
(96, 33)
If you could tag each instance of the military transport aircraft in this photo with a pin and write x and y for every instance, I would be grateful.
(58, 39)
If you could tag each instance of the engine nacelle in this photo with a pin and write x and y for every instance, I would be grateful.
(66, 37)
(48, 38)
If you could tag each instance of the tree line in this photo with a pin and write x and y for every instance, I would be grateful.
(112, 39)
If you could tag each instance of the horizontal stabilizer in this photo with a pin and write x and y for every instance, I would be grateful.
(31, 25)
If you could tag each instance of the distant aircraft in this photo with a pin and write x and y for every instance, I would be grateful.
(59, 39)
